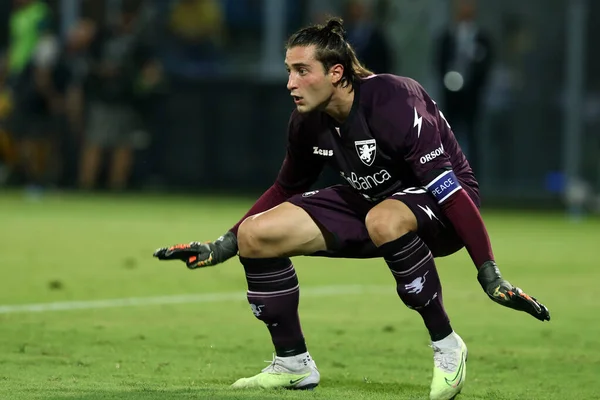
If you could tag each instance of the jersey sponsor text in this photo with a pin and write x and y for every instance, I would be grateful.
(367, 182)
(432, 155)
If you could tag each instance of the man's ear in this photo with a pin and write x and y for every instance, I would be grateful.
(336, 73)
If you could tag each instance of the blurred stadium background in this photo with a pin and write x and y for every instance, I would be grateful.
(187, 67)
(128, 125)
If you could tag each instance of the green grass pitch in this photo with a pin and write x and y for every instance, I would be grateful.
(192, 333)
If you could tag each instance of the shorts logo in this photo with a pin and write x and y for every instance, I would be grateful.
(311, 193)
(428, 211)
(366, 150)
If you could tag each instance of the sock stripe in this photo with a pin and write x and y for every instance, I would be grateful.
(274, 280)
(271, 274)
(408, 247)
(260, 281)
(395, 260)
(252, 293)
(418, 265)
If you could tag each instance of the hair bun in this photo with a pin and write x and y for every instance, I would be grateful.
(335, 25)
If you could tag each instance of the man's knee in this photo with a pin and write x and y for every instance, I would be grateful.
(390, 220)
(283, 231)
(254, 237)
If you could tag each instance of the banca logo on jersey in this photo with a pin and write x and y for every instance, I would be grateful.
(366, 182)
(367, 150)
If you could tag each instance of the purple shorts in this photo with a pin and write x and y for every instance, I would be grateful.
(341, 212)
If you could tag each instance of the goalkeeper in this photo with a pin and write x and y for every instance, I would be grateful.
(409, 196)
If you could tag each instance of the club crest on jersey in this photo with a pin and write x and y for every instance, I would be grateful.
(366, 150)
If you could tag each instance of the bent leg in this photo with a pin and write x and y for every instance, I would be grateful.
(394, 227)
(265, 242)
(313, 223)
(283, 231)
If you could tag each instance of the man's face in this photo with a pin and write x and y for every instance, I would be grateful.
(308, 83)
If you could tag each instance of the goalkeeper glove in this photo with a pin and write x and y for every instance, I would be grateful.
(502, 292)
(197, 255)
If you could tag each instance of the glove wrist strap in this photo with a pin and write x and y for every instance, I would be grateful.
(225, 247)
(488, 273)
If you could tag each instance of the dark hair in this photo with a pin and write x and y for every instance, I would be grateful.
(331, 48)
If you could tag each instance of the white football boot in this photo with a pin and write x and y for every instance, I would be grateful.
(449, 367)
(297, 372)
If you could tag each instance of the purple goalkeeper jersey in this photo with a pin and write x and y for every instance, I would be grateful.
(394, 138)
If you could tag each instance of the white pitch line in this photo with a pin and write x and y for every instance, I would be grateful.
(322, 291)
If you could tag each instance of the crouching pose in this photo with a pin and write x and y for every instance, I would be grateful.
(408, 195)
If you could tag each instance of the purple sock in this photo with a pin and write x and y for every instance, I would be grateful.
(418, 283)
(274, 294)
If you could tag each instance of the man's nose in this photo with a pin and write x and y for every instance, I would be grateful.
(291, 83)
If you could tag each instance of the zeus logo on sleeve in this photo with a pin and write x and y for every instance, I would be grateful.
(322, 152)
(444, 186)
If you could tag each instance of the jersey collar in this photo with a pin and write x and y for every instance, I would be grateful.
(353, 111)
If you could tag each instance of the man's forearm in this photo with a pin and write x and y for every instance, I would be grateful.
(465, 217)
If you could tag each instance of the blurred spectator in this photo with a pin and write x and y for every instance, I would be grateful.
(196, 31)
(35, 97)
(196, 20)
(109, 73)
(507, 78)
(367, 38)
(463, 63)
(77, 55)
(7, 153)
